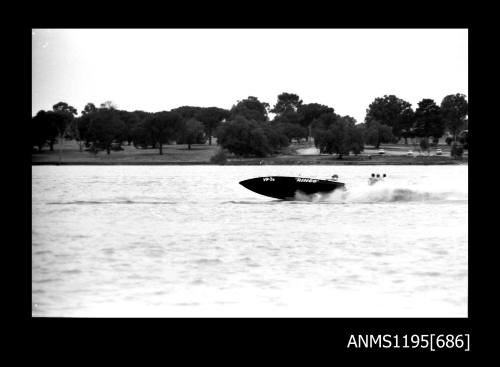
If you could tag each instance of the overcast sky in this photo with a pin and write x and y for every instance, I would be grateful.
(160, 69)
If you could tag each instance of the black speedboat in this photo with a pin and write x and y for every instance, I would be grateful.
(284, 187)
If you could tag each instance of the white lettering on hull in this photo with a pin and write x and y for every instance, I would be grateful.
(306, 180)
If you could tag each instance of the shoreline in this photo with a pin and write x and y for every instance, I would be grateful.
(263, 162)
(242, 164)
(68, 154)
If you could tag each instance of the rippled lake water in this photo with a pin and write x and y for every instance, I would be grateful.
(153, 241)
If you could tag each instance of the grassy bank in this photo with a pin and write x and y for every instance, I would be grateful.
(68, 153)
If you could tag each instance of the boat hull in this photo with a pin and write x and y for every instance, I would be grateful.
(286, 188)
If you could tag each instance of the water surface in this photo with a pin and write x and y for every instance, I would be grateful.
(190, 241)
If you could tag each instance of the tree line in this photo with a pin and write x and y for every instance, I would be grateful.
(246, 129)
(106, 127)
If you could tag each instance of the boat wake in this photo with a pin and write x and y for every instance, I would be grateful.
(105, 202)
(381, 193)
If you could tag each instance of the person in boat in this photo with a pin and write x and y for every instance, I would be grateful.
(335, 177)
(373, 179)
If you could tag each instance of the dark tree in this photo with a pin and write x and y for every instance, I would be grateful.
(141, 115)
(288, 117)
(211, 117)
(390, 110)
(43, 130)
(89, 108)
(407, 133)
(275, 137)
(424, 144)
(377, 133)
(192, 132)
(454, 109)
(325, 121)
(351, 121)
(82, 125)
(428, 120)
(243, 138)
(463, 138)
(339, 135)
(162, 127)
(251, 109)
(74, 132)
(292, 131)
(406, 125)
(37, 133)
(78, 127)
(310, 112)
(286, 108)
(55, 125)
(61, 121)
(102, 128)
(287, 102)
(142, 137)
(187, 112)
(62, 117)
(457, 150)
(131, 120)
(356, 138)
(64, 107)
(357, 142)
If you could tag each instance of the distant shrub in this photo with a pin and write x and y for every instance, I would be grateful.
(463, 138)
(116, 146)
(449, 140)
(424, 144)
(457, 150)
(93, 148)
(219, 157)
